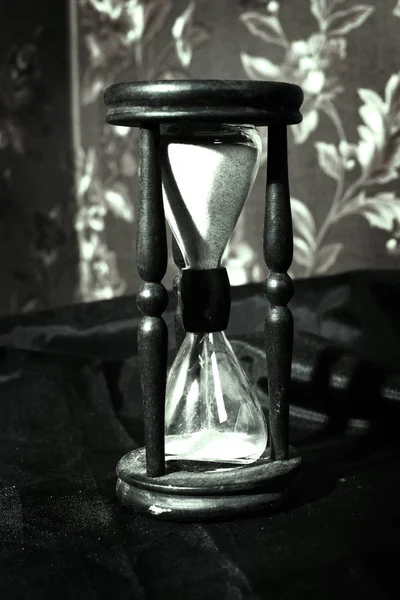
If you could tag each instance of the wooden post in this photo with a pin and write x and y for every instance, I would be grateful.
(152, 299)
(278, 289)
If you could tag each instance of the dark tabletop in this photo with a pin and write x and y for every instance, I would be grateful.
(70, 408)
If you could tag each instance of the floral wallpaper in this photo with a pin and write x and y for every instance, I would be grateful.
(348, 145)
(69, 182)
(364, 167)
(122, 40)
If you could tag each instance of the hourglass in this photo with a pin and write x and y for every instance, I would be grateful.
(210, 451)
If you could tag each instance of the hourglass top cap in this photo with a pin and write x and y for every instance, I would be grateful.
(203, 100)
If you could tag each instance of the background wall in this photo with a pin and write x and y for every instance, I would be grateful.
(60, 246)
(39, 253)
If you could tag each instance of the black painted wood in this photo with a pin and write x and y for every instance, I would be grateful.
(204, 296)
(278, 289)
(196, 101)
(196, 496)
(152, 300)
(151, 240)
(206, 299)
(180, 263)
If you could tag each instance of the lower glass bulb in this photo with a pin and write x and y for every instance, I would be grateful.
(212, 413)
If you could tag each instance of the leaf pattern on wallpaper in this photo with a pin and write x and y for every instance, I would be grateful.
(120, 36)
(344, 21)
(377, 155)
(113, 32)
(240, 259)
(157, 39)
(329, 160)
(187, 35)
(265, 26)
(117, 202)
(99, 275)
(382, 210)
(316, 64)
(304, 232)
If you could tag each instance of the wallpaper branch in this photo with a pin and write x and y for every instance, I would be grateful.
(68, 181)
(160, 39)
(316, 63)
(121, 39)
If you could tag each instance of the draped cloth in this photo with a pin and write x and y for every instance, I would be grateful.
(70, 408)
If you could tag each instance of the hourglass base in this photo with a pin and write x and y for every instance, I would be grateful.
(207, 495)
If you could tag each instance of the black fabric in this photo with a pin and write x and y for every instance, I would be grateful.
(70, 408)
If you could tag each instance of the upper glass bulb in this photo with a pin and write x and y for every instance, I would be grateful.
(208, 172)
